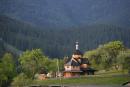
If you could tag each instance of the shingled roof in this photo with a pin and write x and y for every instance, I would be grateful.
(77, 52)
(72, 63)
(84, 61)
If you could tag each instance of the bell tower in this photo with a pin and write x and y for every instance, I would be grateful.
(77, 45)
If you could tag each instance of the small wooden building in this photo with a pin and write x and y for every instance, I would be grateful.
(72, 69)
(76, 65)
(42, 74)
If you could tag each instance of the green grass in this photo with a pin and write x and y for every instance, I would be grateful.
(85, 81)
(113, 72)
(106, 78)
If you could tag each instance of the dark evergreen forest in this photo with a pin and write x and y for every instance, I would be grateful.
(58, 42)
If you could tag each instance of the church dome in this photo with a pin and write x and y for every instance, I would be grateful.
(77, 52)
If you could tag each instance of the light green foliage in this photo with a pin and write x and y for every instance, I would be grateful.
(105, 56)
(3, 76)
(21, 80)
(94, 56)
(61, 64)
(53, 65)
(113, 49)
(7, 68)
(9, 65)
(124, 59)
(31, 61)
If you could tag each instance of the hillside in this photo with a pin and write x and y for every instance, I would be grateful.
(59, 43)
(68, 13)
(2, 50)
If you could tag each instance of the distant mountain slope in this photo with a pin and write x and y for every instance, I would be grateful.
(68, 13)
(2, 50)
(5, 47)
(59, 43)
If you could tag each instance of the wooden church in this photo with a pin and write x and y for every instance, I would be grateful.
(77, 65)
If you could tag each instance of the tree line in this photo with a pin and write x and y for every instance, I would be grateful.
(56, 42)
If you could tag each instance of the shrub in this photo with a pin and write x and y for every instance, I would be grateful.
(21, 80)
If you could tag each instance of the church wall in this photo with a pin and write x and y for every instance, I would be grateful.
(84, 66)
(71, 74)
(76, 56)
(68, 68)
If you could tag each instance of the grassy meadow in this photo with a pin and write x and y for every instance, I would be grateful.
(106, 78)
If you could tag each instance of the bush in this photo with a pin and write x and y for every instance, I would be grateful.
(21, 80)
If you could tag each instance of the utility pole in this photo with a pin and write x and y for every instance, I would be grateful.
(58, 73)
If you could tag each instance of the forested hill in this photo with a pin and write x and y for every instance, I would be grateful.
(68, 13)
(59, 43)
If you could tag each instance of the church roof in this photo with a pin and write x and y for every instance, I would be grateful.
(77, 52)
(84, 61)
(72, 63)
